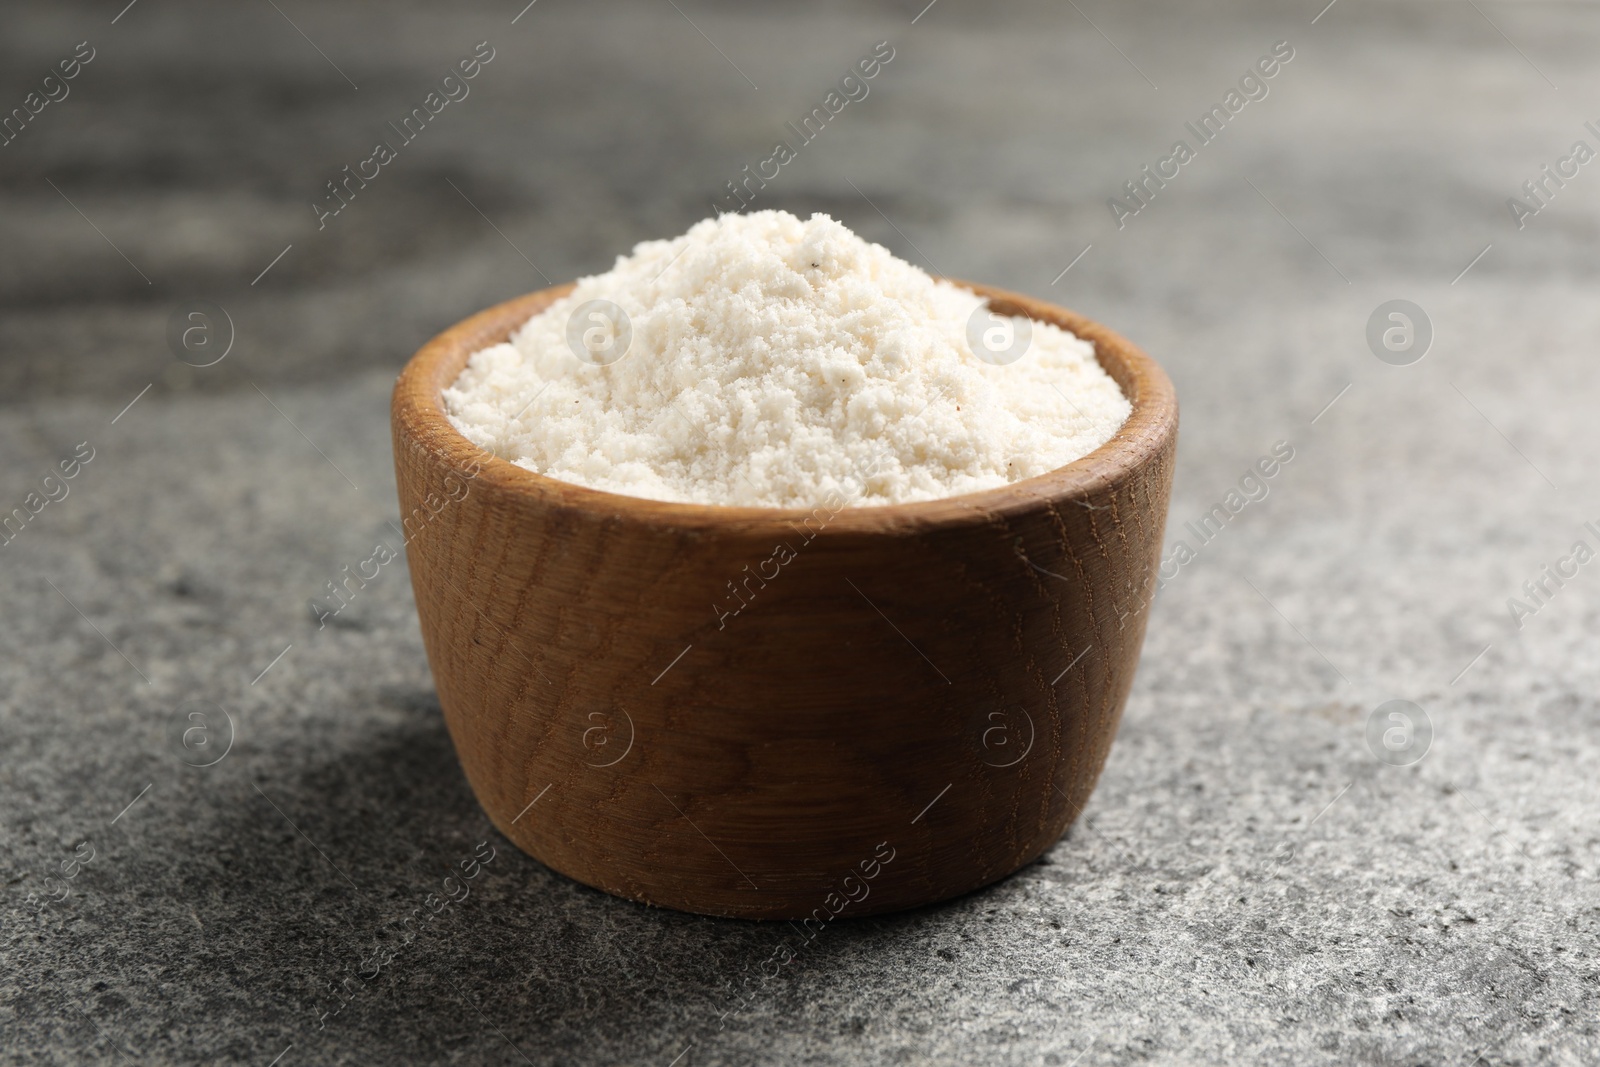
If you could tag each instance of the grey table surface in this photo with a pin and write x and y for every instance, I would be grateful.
(1250, 883)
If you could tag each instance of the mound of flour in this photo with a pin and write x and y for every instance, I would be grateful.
(761, 360)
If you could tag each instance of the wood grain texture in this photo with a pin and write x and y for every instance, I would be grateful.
(918, 703)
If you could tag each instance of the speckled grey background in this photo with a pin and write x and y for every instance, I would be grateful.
(1250, 884)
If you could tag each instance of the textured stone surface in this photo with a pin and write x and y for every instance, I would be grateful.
(1249, 884)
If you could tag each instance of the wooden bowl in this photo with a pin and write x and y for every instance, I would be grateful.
(916, 701)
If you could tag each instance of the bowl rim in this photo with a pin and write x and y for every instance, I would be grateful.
(418, 412)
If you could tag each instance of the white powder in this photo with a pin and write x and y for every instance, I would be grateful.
(774, 362)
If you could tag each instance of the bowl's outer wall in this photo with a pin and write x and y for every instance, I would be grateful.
(761, 759)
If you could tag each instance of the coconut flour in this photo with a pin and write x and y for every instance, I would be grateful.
(761, 360)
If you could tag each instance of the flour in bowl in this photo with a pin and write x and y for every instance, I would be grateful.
(761, 360)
